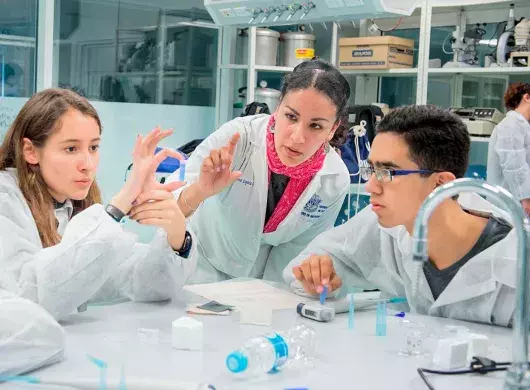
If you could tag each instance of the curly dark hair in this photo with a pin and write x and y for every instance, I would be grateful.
(323, 77)
(514, 95)
(437, 139)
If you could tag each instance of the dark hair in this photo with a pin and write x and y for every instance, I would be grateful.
(325, 78)
(514, 95)
(438, 140)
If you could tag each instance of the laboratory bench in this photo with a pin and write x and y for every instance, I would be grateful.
(344, 359)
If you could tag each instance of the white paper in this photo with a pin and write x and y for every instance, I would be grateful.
(248, 293)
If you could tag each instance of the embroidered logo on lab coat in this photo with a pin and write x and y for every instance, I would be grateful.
(312, 205)
(313, 209)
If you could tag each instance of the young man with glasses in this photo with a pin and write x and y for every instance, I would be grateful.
(471, 272)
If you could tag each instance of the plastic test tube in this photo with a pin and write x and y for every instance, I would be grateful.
(182, 170)
(351, 312)
(380, 321)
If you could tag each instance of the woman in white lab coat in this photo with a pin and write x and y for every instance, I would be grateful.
(60, 244)
(285, 186)
(509, 146)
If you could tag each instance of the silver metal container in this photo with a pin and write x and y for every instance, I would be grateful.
(266, 47)
(297, 48)
(262, 94)
(266, 95)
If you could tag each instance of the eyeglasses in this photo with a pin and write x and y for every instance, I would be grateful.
(385, 175)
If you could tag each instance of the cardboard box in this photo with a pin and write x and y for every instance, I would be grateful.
(375, 53)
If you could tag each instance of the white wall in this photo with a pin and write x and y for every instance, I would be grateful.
(121, 123)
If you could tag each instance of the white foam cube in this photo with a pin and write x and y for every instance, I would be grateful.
(479, 345)
(187, 334)
(451, 353)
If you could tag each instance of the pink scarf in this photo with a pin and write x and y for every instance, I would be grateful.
(300, 177)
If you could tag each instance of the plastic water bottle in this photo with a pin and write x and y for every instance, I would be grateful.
(272, 352)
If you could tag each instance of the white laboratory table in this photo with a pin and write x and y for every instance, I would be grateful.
(345, 359)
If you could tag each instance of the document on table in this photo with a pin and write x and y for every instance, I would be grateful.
(248, 293)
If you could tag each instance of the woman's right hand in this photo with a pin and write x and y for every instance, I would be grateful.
(215, 175)
(316, 272)
(216, 172)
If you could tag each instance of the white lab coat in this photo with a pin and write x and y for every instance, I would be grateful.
(96, 260)
(366, 255)
(509, 155)
(229, 226)
(29, 336)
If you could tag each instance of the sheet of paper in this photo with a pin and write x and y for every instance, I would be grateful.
(248, 293)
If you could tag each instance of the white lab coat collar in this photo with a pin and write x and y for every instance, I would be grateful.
(63, 215)
(517, 115)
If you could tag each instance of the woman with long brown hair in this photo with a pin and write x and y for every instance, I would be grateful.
(56, 239)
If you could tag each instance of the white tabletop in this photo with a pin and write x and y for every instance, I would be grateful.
(349, 359)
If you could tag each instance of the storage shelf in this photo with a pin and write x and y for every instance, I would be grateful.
(411, 72)
(361, 72)
(475, 138)
(279, 69)
(479, 71)
(234, 66)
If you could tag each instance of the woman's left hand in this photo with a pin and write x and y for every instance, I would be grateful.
(160, 208)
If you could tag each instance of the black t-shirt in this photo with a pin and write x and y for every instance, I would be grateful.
(496, 229)
(277, 187)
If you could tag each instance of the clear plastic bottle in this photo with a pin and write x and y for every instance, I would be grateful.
(272, 352)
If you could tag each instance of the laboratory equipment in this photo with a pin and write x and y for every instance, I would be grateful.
(351, 312)
(518, 376)
(259, 12)
(415, 334)
(464, 45)
(272, 352)
(479, 121)
(520, 55)
(298, 46)
(263, 94)
(506, 41)
(380, 319)
(266, 44)
(363, 301)
(182, 170)
(316, 312)
(187, 333)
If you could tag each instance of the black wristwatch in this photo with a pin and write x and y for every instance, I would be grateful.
(184, 252)
(114, 212)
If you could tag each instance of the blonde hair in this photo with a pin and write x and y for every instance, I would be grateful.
(37, 120)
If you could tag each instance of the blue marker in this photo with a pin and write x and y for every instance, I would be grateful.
(324, 294)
